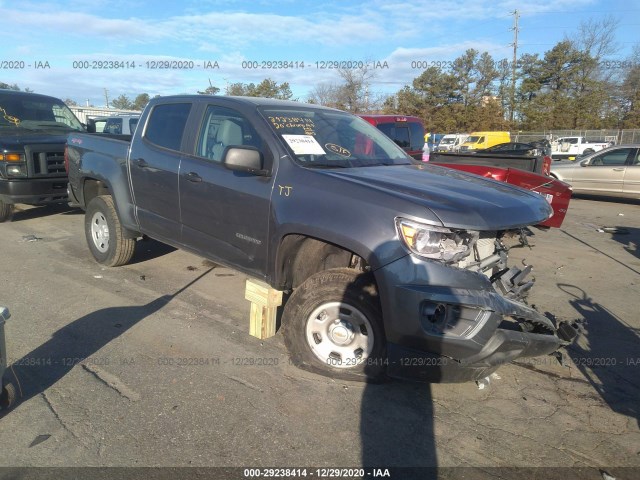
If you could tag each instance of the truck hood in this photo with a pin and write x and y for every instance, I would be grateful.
(458, 199)
(18, 138)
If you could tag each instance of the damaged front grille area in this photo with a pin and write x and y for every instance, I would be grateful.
(525, 325)
(487, 254)
(490, 256)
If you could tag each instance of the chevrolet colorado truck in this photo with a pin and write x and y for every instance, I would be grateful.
(33, 132)
(393, 269)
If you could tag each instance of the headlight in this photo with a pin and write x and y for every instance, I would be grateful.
(438, 243)
(16, 171)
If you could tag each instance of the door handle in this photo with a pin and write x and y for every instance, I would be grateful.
(141, 162)
(621, 169)
(193, 177)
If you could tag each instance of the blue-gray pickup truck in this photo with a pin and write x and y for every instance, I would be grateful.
(393, 269)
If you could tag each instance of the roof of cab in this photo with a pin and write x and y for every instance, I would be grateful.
(257, 101)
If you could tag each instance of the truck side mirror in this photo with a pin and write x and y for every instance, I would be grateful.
(244, 159)
(91, 125)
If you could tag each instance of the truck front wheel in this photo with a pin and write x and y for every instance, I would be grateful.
(6, 209)
(104, 233)
(332, 325)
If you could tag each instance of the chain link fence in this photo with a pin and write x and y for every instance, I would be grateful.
(616, 136)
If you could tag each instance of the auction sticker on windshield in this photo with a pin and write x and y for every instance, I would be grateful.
(304, 144)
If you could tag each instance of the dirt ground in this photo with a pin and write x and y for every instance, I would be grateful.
(157, 368)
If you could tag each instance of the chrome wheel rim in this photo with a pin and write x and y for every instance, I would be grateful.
(100, 232)
(339, 335)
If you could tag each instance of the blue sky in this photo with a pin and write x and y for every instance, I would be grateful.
(234, 31)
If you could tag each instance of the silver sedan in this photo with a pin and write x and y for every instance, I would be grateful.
(614, 172)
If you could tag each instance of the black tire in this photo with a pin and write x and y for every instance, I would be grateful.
(6, 210)
(8, 397)
(588, 151)
(352, 295)
(104, 233)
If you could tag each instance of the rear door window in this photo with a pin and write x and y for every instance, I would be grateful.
(417, 135)
(165, 127)
(400, 135)
(113, 126)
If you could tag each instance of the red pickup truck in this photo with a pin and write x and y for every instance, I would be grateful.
(530, 173)
(406, 131)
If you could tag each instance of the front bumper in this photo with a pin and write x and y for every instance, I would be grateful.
(34, 191)
(446, 324)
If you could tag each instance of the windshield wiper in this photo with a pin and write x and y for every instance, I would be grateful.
(54, 125)
(326, 165)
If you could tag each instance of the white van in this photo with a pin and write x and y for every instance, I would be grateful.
(451, 142)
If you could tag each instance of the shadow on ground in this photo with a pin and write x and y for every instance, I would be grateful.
(20, 215)
(396, 429)
(148, 249)
(629, 238)
(44, 366)
(599, 198)
(608, 355)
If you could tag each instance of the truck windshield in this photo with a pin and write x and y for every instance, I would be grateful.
(447, 141)
(39, 113)
(332, 139)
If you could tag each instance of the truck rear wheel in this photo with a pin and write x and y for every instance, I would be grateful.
(6, 209)
(104, 233)
(332, 325)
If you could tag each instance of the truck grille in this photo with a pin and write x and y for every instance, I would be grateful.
(45, 160)
(48, 163)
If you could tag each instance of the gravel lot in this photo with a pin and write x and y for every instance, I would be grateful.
(156, 367)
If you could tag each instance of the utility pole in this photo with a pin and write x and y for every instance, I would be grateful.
(106, 97)
(516, 15)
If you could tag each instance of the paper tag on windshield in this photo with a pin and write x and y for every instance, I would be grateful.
(304, 144)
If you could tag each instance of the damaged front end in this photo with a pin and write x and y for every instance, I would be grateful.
(459, 317)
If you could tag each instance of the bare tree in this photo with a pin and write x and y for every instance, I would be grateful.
(597, 37)
(325, 94)
(355, 90)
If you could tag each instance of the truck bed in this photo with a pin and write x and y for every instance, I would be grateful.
(529, 164)
(524, 172)
(105, 146)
